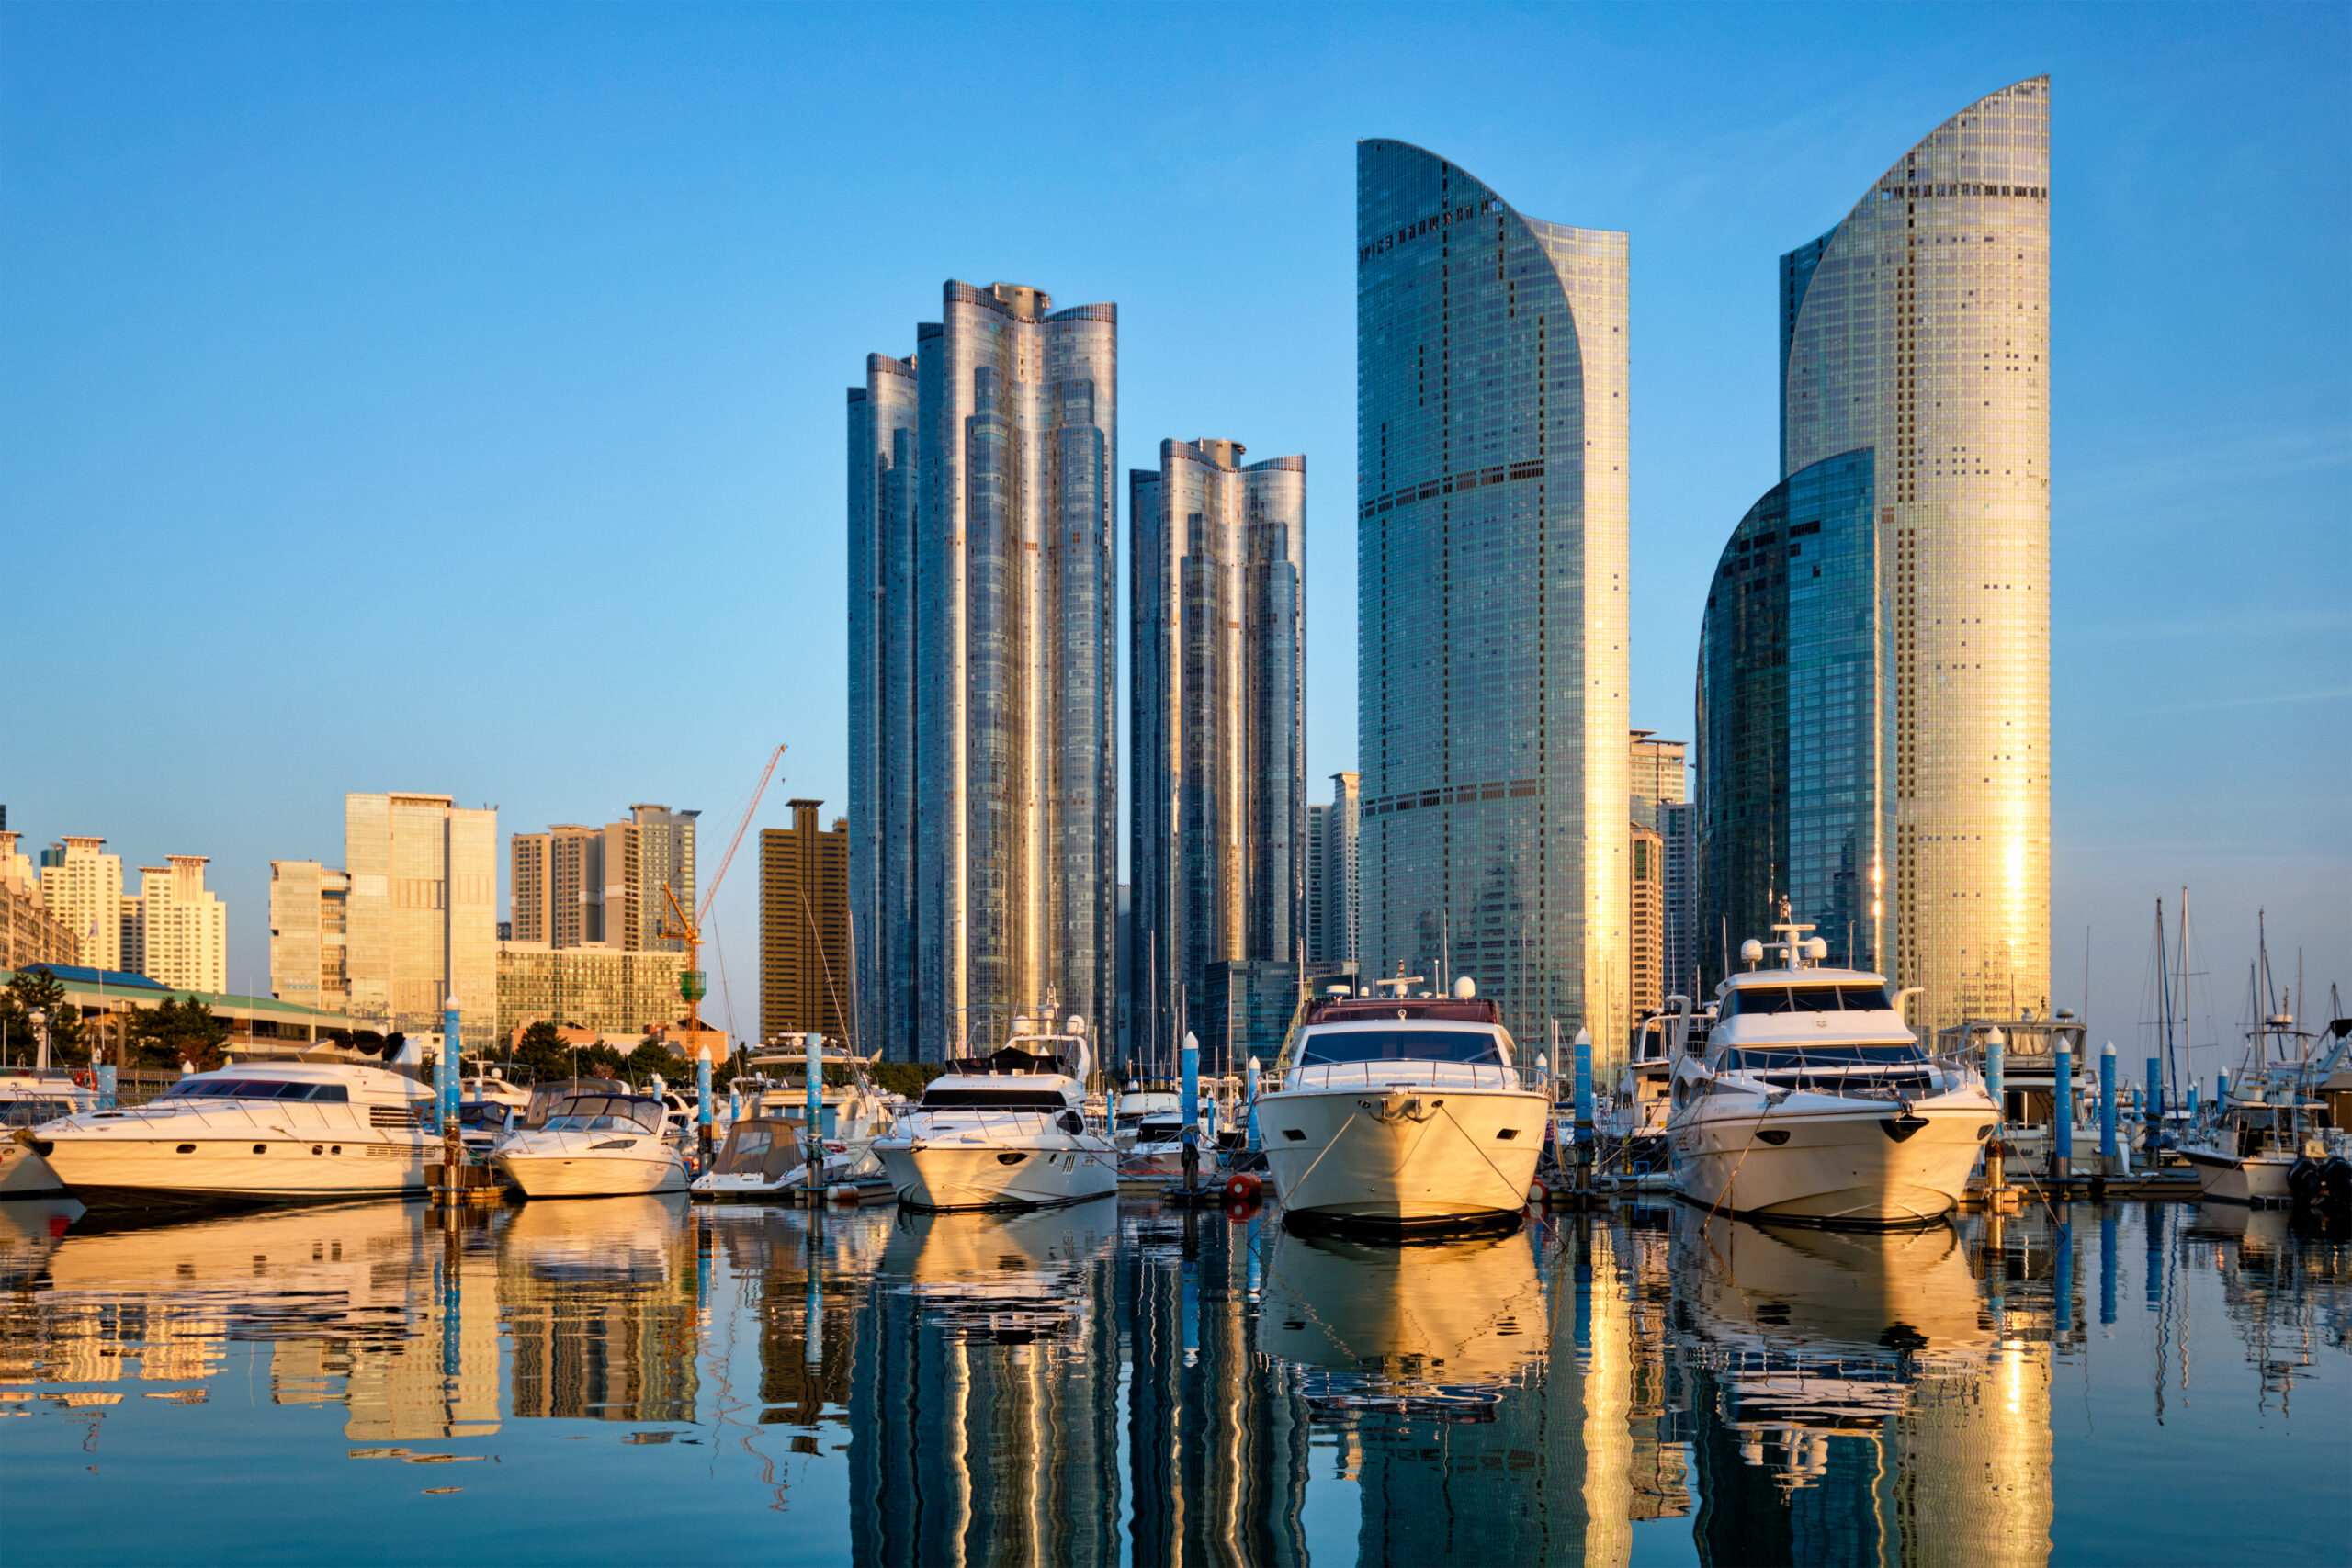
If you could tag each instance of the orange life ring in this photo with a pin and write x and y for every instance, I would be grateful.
(84, 1079)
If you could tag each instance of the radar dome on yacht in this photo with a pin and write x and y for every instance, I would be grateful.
(1464, 988)
(1817, 948)
(1077, 1025)
(1751, 952)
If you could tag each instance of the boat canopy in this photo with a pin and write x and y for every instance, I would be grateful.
(1007, 1059)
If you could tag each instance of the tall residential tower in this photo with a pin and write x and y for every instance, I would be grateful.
(1217, 823)
(1874, 673)
(1491, 572)
(983, 798)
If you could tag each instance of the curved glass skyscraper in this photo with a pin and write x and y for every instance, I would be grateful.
(1217, 826)
(1915, 335)
(1492, 556)
(983, 796)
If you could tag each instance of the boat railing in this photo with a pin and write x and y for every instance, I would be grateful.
(1405, 1074)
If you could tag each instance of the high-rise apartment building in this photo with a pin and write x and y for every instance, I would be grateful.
(176, 930)
(309, 926)
(1677, 829)
(1217, 732)
(1333, 834)
(982, 521)
(30, 933)
(82, 885)
(421, 915)
(1646, 912)
(665, 867)
(804, 927)
(1874, 679)
(574, 886)
(1491, 572)
(1656, 777)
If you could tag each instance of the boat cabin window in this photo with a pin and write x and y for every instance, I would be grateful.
(258, 1088)
(482, 1113)
(601, 1114)
(1752, 999)
(936, 1098)
(33, 1112)
(1400, 1045)
(1752, 1060)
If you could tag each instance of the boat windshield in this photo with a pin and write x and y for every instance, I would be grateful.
(1754, 1060)
(255, 1088)
(1468, 1045)
(600, 1113)
(33, 1112)
(1806, 998)
(937, 1098)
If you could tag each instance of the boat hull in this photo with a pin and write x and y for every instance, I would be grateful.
(24, 1174)
(1842, 1167)
(1402, 1158)
(125, 1172)
(2229, 1179)
(591, 1175)
(950, 1175)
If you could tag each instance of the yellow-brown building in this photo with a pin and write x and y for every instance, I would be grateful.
(804, 927)
(1647, 919)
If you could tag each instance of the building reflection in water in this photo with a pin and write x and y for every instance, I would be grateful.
(1217, 1440)
(984, 1401)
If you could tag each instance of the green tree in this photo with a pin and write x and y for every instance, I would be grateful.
(34, 990)
(652, 1056)
(174, 1031)
(544, 1051)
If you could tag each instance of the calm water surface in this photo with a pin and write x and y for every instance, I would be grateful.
(624, 1379)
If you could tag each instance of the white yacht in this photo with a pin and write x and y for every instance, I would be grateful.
(595, 1146)
(1813, 1101)
(256, 1132)
(1006, 1130)
(1401, 1113)
(28, 1099)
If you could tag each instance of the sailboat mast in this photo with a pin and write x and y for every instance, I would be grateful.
(2187, 1043)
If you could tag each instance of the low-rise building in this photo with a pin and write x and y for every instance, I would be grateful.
(613, 992)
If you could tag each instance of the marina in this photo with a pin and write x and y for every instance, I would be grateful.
(1116, 1381)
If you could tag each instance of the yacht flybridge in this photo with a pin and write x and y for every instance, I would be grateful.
(1005, 1131)
(258, 1132)
(1811, 1100)
(1400, 1113)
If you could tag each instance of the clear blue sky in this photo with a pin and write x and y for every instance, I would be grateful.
(451, 398)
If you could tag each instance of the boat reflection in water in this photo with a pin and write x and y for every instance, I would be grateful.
(347, 1297)
(600, 1305)
(1439, 1331)
(1856, 1400)
(984, 1406)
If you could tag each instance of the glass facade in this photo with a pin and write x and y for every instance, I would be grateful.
(1792, 737)
(1334, 833)
(983, 801)
(1218, 730)
(1918, 331)
(1491, 570)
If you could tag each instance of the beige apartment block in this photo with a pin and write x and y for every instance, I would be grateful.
(28, 932)
(174, 929)
(421, 915)
(1646, 906)
(82, 885)
(307, 921)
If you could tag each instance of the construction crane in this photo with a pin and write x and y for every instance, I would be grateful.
(689, 930)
